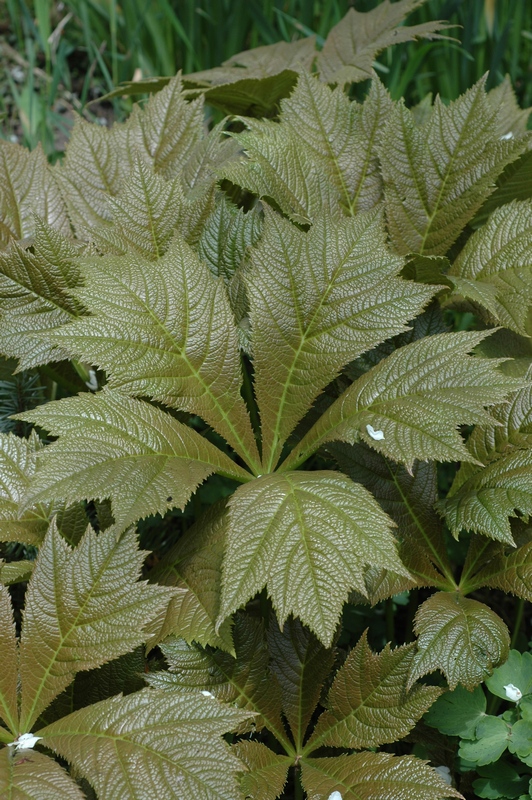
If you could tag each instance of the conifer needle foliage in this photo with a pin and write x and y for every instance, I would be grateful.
(262, 301)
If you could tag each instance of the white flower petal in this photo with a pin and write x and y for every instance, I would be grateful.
(513, 693)
(205, 693)
(445, 773)
(335, 796)
(26, 741)
(378, 435)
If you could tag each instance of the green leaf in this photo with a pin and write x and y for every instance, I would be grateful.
(461, 637)
(415, 398)
(28, 190)
(490, 564)
(267, 771)
(18, 462)
(437, 176)
(244, 679)
(482, 498)
(341, 135)
(301, 665)
(373, 776)
(83, 608)
(408, 498)
(497, 260)
(35, 777)
(35, 291)
(353, 299)
(513, 183)
(165, 329)
(15, 571)
(8, 674)
(521, 740)
(113, 446)
(194, 567)
(458, 713)
(307, 536)
(492, 740)
(500, 780)
(227, 236)
(369, 703)
(151, 743)
(256, 97)
(517, 670)
(353, 44)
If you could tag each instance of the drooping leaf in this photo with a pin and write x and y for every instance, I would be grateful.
(307, 536)
(244, 679)
(317, 301)
(301, 665)
(513, 183)
(373, 776)
(31, 775)
(35, 291)
(352, 45)
(83, 608)
(409, 499)
(437, 176)
(28, 190)
(341, 135)
(461, 637)
(369, 703)
(260, 62)
(409, 405)
(482, 498)
(497, 260)
(8, 673)
(226, 237)
(18, 461)
(267, 771)
(151, 743)
(165, 329)
(113, 446)
(255, 97)
(194, 567)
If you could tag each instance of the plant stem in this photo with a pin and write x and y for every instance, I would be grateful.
(298, 787)
(390, 622)
(517, 621)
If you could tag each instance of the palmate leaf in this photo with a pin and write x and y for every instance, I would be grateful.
(317, 301)
(461, 637)
(243, 680)
(28, 190)
(267, 771)
(415, 398)
(35, 296)
(437, 176)
(373, 776)
(194, 567)
(498, 259)
(301, 664)
(352, 45)
(165, 329)
(34, 776)
(151, 744)
(114, 446)
(307, 536)
(409, 499)
(83, 608)
(341, 135)
(369, 703)
(482, 498)
(8, 674)
(494, 565)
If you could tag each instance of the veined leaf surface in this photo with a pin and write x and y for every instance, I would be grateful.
(267, 773)
(437, 176)
(307, 536)
(114, 446)
(317, 301)
(151, 744)
(165, 329)
(8, 674)
(461, 637)
(369, 703)
(83, 607)
(35, 777)
(415, 398)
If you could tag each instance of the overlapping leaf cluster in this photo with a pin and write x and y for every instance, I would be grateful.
(250, 297)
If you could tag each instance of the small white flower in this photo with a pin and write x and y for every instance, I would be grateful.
(508, 135)
(26, 741)
(445, 773)
(378, 435)
(205, 693)
(513, 693)
(335, 796)
(92, 383)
